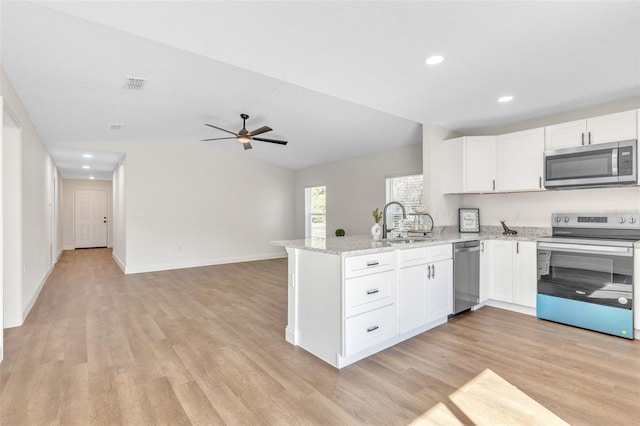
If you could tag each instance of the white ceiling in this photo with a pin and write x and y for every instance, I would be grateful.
(336, 79)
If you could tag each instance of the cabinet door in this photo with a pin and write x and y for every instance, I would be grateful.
(440, 290)
(525, 273)
(480, 164)
(566, 135)
(612, 127)
(413, 297)
(447, 166)
(520, 160)
(486, 266)
(502, 283)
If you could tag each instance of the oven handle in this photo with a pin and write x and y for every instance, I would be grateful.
(586, 248)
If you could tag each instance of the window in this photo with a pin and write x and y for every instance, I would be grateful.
(315, 200)
(407, 190)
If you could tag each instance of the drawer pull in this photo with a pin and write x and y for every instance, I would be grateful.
(372, 263)
(372, 328)
(373, 291)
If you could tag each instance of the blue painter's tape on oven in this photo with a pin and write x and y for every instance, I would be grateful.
(605, 319)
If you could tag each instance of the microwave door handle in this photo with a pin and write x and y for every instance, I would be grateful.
(614, 162)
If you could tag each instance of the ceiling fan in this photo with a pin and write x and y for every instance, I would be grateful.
(244, 136)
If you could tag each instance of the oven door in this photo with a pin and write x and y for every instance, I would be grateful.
(595, 274)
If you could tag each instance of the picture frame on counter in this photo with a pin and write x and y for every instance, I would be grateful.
(469, 220)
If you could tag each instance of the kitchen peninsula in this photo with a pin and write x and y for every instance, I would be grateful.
(350, 297)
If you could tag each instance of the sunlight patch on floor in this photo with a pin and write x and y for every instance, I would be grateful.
(488, 399)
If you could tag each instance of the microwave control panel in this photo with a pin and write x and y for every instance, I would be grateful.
(625, 161)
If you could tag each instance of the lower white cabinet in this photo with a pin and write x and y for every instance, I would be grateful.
(425, 286)
(513, 274)
(486, 267)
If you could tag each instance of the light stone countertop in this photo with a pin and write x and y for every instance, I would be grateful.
(364, 244)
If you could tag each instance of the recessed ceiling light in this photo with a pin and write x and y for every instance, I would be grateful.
(91, 177)
(87, 155)
(115, 126)
(504, 99)
(433, 60)
(86, 167)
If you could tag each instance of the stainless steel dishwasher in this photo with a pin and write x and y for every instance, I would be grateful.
(466, 275)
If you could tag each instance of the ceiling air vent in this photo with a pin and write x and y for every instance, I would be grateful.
(134, 83)
(115, 126)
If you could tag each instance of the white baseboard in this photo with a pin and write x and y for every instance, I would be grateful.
(65, 248)
(512, 307)
(119, 262)
(137, 269)
(34, 296)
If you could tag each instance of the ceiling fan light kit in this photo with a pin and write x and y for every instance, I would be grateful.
(245, 137)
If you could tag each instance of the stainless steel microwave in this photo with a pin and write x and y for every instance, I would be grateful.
(590, 166)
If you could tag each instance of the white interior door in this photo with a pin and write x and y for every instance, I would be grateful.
(90, 218)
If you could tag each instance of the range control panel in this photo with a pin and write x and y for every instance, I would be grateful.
(625, 220)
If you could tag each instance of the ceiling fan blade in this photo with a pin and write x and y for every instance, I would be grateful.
(246, 145)
(271, 141)
(220, 128)
(261, 130)
(216, 139)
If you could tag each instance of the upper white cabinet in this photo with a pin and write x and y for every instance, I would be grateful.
(480, 163)
(605, 128)
(467, 164)
(520, 160)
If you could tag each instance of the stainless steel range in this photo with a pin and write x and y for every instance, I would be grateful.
(585, 271)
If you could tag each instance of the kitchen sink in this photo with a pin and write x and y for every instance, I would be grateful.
(401, 241)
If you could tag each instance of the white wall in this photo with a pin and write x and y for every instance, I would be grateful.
(119, 220)
(534, 208)
(1, 235)
(68, 187)
(355, 187)
(38, 205)
(12, 220)
(190, 204)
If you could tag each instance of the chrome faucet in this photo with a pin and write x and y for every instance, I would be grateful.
(384, 218)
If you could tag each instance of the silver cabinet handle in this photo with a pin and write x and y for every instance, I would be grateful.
(482, 246)
(582, 140)
(372, 328)
(517, 247)
(539, 181)
(373, 263)
(373, 291)
(494, 184)
(589, 138)
(433, 271)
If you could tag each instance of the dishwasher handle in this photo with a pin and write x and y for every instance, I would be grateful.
(467, 249)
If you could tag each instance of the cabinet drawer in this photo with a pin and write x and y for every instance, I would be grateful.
(368, 329)
(369, 292)
(368, 264)
(442, 252)
(424, 255)
(413, 257)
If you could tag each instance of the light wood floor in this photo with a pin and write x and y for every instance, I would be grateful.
(206, 346)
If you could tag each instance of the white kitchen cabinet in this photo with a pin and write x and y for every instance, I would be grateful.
(440, 290)
(502, 281)
(605, 128)
(370, 294)
(612, 127)
(425, 286)
(515, 271)
(565, 135)
(520, 160)
(467, 164)
(480, 164)
(486, 268)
